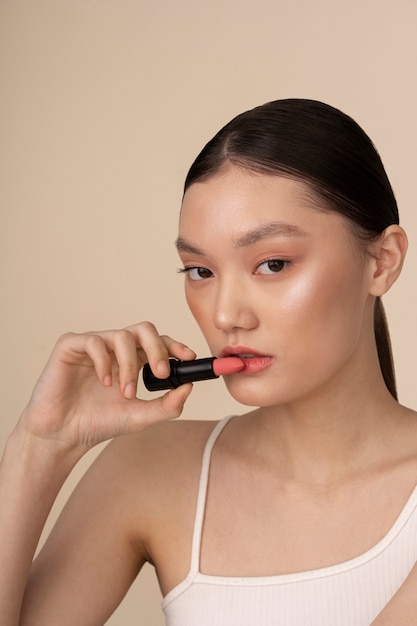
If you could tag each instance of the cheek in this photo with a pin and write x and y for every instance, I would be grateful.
(199, 307)
(323, 312)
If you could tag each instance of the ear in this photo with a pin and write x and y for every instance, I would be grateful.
(389, 254)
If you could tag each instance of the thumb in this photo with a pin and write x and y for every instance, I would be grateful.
(166, 407)
(172, 403)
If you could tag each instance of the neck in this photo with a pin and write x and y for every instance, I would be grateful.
(327, 438)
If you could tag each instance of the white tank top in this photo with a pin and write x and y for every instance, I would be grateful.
(348, 594)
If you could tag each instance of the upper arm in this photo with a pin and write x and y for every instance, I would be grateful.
(136, 503)
(94, 551)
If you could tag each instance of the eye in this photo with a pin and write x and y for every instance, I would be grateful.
(196, 273)
(271, 266)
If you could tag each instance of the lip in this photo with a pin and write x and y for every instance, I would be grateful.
(254, 363)
(238, 350)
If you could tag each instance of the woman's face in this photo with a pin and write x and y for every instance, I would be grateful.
(276, 281)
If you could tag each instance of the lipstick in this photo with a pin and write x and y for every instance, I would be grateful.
(182, 372)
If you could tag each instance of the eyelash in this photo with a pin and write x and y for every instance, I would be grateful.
(188, 270)
(283, 265)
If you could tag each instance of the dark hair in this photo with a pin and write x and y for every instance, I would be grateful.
(325, 148)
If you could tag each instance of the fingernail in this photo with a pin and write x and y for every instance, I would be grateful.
(130, 390)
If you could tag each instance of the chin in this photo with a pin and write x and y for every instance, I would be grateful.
(255, 395)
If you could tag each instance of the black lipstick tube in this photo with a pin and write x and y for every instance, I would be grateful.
(181, 372)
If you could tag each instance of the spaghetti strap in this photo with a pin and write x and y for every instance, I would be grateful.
(193, 572)
(202, 495)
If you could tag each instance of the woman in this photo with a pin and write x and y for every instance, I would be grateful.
(303, 510)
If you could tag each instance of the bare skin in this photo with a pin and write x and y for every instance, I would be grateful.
(326, 445)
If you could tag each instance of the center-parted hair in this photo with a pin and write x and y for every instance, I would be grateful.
(325, 148)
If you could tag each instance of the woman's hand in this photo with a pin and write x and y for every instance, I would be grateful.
(87, 391)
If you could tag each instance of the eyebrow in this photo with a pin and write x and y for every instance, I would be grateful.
(271, 229)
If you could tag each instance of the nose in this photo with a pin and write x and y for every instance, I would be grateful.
(233, 308)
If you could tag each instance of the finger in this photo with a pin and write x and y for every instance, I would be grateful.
(124, 344)
(174, 349)
(124, 348)
(177, 349)
(76, 347)
(158, 348)
(125, 351)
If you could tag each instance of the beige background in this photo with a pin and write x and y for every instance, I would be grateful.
(104, 103)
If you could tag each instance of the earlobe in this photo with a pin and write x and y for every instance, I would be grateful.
(389, 254)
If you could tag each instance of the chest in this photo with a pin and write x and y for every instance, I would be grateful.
(251, 523)
(291, 563)
(256, 525)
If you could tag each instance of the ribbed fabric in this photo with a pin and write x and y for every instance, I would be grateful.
(348, 594)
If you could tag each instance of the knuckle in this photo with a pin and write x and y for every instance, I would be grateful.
(94, 341)
(124, 336)
(146, 325)
(66, 341)
(66, 337)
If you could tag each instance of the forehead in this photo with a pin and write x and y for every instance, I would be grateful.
(238, 200)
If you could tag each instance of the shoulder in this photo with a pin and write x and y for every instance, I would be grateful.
(157, 452)
(154, 472)
(159, 470)
(174, 443)
(146, 483)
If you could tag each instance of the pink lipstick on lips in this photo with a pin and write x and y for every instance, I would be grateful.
(182, 372)
(253, 361)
